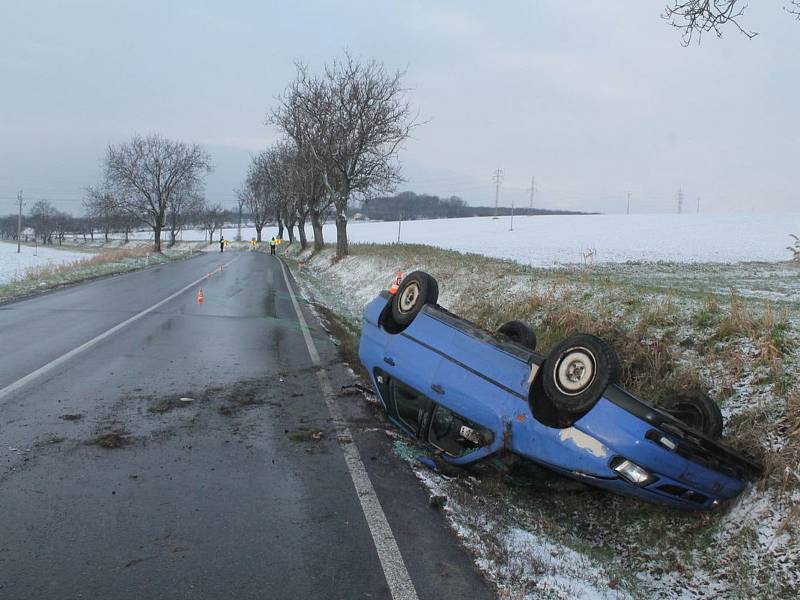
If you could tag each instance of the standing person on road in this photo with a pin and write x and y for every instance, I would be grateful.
(272, 246)
(221, 244)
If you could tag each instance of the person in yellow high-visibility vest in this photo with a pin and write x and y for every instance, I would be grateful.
(272, 244)
(253, 244)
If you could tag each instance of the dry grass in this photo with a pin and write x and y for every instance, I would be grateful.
(108, 262)
(772, 432)
(43, 273)
(649, 366)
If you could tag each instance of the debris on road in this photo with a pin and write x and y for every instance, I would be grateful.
(117, 438)
(305, 434)
(437, 501)
(353, 389)
(71, 417)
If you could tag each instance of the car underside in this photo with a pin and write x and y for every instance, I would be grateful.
(475, 396)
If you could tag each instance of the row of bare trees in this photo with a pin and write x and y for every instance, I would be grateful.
(51, 225)
(342, 130)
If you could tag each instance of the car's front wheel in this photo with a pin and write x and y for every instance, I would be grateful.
(696, 410)
(577, 372)
(416, 290)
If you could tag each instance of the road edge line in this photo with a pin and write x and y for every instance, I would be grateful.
(33, 375)
(394, 568)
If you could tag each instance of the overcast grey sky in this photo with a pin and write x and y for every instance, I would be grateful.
(593, 98)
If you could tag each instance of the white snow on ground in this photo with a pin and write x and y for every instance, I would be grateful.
(14, 266)
(564, 239)
(525, 565)
(558, 239)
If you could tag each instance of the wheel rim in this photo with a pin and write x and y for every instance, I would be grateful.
(575, 371)
(408, 298)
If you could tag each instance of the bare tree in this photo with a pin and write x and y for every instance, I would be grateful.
(183, 208)
(152, 176)
(240, 204)
(352, 120)
(43, 220)
(62, 222)
(696, 17)
(293, 183)
(258, 191)
(101, 208)
(212, 217)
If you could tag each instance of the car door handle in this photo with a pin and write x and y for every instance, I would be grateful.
(388, 361)
(437, 388)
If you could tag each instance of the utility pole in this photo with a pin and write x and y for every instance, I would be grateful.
(497, 178)
(680, 201)
(19, 219)
(399, 223)
(512, 214)
(628, 211)
(533, 188)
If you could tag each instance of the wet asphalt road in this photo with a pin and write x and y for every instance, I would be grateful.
(228, 495)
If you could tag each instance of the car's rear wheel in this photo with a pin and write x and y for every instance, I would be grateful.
(577, 372)
(696, 410)
(519, 332)
(416, 290)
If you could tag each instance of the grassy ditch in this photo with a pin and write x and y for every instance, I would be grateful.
(725, 329)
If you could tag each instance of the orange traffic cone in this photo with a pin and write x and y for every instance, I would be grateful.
(200, 296)
(396, 283)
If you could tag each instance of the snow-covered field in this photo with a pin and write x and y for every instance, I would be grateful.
(558, 239)
(14, 266)
(565, 239)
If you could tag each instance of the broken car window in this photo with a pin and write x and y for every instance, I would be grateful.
(454, 434)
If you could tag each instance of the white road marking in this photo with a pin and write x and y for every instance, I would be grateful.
(19, 383)
(394, 569)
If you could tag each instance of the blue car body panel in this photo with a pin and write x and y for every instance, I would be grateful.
(489, 382)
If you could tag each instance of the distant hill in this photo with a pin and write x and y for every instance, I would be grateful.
(409, 206)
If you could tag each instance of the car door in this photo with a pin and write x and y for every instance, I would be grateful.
(414, 360)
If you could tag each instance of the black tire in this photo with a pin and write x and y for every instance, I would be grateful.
(519, 332)
(416, 290)
(696, 410)
(577, 372)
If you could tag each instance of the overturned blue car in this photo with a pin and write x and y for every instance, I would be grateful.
(476, 396)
